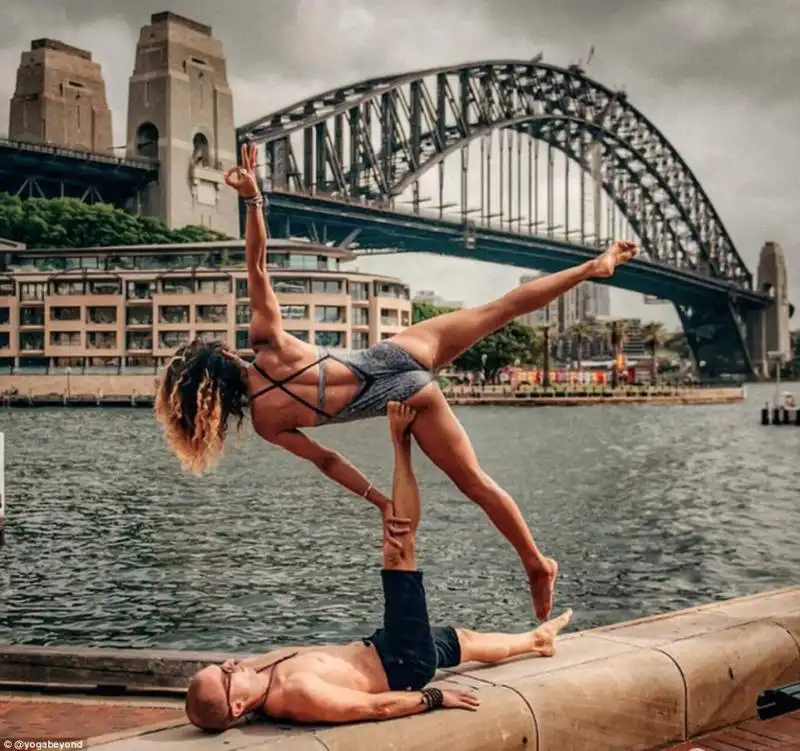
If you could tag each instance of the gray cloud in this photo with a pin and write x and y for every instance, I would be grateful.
(718, 77)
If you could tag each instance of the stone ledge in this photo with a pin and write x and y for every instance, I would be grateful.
(633, 686)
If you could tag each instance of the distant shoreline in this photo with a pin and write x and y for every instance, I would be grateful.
(496, 398)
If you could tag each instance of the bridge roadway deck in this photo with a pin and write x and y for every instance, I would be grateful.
(646, 684)
(383, 228)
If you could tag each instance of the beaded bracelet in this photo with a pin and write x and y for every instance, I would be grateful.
(255, 201)
(432, 698)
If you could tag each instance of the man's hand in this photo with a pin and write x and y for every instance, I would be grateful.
(396, 531)
(400, 418)
(453, 699)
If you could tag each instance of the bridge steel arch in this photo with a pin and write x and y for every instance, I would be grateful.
(372, 141)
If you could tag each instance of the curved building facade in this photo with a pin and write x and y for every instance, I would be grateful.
(128, 308)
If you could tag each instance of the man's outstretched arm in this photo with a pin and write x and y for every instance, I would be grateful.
(309, 699)
(405, 490)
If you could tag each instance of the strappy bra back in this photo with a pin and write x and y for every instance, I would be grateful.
(319, 408)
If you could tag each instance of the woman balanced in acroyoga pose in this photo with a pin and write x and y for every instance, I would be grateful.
(292, 385)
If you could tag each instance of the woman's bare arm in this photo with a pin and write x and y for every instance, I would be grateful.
(266, 322)
(332, 464)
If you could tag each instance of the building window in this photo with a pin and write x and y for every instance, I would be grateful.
(242, 340)
(294, 312)
(212, 336)
(396, 291)
(5, 315)
(329, 314)
(5, 340)
(212, 313)
(139, 316)
(67, 288)
(290, 286)
(140, 361)
(173, 314)
(360, 339)
(214, 286)
(105, 287)
(65, 338)
(404, 318)
(140, 290)
(301, 335)
(69, 362)
(6, 288)
(101, 315)
(172, 339)
(388, 317)
(139, 340)
(177, 286)
(243, 315)
(31, 341)
(101, 339)
(31, 316)
(360, 316)
(241, 288)
(327, 286)
(359, 291)
(29, 291)
(103, 363)
(330, 339)
(71, 313)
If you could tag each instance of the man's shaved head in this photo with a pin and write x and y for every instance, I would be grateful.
(206, 702)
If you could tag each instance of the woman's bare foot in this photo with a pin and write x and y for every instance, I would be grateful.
(400, 418)
(543, 639)
(621, 251)
(543, 583)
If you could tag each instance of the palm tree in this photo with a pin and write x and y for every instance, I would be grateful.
(653, 335)
(579, 332)
(616, 330)
(545, 331)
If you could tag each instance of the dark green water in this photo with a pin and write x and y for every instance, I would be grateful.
(646, 508)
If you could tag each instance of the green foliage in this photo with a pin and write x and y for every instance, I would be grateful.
(502, 348)
(70, 223)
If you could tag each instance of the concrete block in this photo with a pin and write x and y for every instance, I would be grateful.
(632, 701)
(653, 633)
(725, 671)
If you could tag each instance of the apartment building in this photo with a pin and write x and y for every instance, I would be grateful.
(128, 308)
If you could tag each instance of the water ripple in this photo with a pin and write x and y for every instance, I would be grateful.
(647, 509)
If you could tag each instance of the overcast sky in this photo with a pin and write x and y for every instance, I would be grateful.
(719, 78)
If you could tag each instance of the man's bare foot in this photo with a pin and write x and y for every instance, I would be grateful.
(621, 251)
(543, 639)
(543, 583)
(400, 418)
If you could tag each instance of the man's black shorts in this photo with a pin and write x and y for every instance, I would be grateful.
(411, 651)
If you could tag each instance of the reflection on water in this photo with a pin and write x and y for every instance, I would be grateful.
(646, 508)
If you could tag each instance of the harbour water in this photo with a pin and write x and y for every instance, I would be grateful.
(647, 509)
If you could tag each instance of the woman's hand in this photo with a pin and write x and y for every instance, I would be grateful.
(243, 178)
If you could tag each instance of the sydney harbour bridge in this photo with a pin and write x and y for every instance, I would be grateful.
(507, 161)
(520, 163)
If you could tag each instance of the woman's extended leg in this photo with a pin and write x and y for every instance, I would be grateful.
(445, 442)
(438, 341)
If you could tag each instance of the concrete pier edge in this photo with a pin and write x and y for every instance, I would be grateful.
(637, 685)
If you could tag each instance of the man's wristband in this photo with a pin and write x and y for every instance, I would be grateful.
(432, 698)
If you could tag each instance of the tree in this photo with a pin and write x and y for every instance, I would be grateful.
(545, 330)
(70, 223)
(505, 347)
(579, 332)
(616, 330)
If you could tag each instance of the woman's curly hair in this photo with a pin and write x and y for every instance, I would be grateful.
(200, 391)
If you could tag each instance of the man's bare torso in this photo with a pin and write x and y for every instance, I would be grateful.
(355, 666)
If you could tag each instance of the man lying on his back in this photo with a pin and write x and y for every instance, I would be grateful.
(383, 675)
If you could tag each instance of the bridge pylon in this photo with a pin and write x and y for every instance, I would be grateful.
(768, 329)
